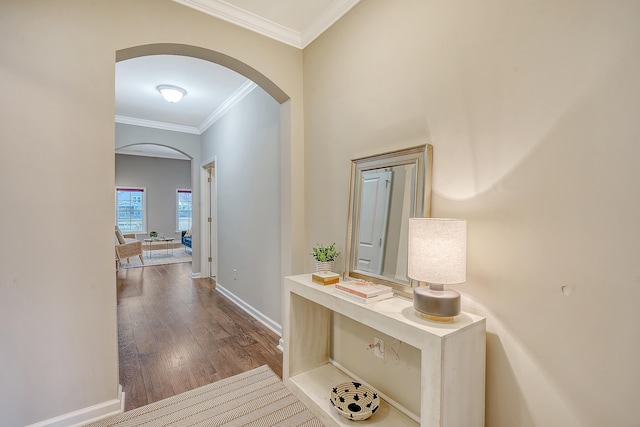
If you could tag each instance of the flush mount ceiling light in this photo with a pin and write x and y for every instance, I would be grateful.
(171, 94)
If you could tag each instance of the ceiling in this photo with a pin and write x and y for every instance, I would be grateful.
(211, 89)
(294, 22)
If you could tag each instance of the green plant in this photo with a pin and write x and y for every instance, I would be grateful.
(153, 234)
(325, 253)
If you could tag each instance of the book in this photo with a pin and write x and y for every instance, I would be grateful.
(363, 300)
(363, 289)
(325, 278)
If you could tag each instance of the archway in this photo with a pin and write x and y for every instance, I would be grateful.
(269, 87)
(207, 55)
(198, 163)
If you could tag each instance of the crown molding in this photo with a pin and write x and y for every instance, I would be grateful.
(156, 125)
(223, 109)
(227, 105)
(249, 20)
(326, 19)
(245, 19)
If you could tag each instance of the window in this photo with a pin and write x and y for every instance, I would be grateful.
(184, 209)
(130, 210)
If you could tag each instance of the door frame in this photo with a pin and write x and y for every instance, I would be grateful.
(209, 206)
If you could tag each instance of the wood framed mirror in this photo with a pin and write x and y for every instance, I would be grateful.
(386, 190)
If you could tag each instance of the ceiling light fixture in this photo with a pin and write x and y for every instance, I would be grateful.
(171, 94)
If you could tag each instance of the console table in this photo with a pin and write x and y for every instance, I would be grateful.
(452, 368)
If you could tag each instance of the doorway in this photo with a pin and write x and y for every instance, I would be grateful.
(210, 222)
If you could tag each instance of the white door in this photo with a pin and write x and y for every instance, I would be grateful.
(374, 210)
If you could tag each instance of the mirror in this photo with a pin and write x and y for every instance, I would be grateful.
(386, 190)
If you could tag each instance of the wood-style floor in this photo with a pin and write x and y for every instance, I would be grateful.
(176, 333)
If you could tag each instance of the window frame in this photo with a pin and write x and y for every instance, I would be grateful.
(142, 190)
(178, 191)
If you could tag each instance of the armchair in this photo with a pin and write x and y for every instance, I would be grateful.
(126, 247)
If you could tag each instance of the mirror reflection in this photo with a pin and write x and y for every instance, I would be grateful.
(386, 190)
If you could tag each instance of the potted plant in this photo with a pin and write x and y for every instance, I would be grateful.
(153, 234)
(325, 257)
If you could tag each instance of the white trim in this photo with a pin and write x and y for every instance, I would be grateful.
(245, 19)
(156, 125)
(209, 269)
(87, 415)
(195, 275)
(280, 345)
(275, 327)
(227, 105)
(249, 20)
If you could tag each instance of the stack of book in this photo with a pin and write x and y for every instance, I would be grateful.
(363, 291)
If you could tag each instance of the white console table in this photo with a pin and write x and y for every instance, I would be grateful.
(452, 356)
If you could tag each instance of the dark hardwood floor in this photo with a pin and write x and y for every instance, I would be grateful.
(176, 333)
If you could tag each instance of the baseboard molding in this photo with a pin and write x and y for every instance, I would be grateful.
(269, 323)
(195, 275)
(87, 415)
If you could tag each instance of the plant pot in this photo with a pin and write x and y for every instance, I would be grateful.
(324, 266)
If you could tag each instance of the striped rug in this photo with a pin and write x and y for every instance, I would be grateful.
(254, 398)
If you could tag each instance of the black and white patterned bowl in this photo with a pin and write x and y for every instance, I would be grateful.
(354, 401)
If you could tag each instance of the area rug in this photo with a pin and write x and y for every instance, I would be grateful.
(158, 257)
(254, 398)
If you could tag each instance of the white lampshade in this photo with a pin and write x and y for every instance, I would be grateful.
(438, 250)
(172, 94)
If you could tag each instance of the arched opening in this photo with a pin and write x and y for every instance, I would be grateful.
(200, 170)
(286, 197)
(152, 149)
(207, 55)
(154, 203)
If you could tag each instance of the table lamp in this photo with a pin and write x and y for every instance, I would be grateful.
(437, 256)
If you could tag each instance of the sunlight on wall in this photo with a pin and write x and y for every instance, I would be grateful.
(496, 99)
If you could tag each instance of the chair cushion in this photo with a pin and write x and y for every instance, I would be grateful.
(119, 236)
(129, 250)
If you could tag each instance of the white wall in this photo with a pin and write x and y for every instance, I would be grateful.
(58, 337)
(161, 178)
(532, 109)
(245, 144)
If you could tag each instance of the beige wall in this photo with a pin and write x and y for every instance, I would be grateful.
(58, 342)
(532, 109)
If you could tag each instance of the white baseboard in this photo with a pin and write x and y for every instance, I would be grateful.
(269, 323)
(280, 344)
(195, 275)
(87, 415)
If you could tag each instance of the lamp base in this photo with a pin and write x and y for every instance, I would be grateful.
(446, 319)
(436, 303)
